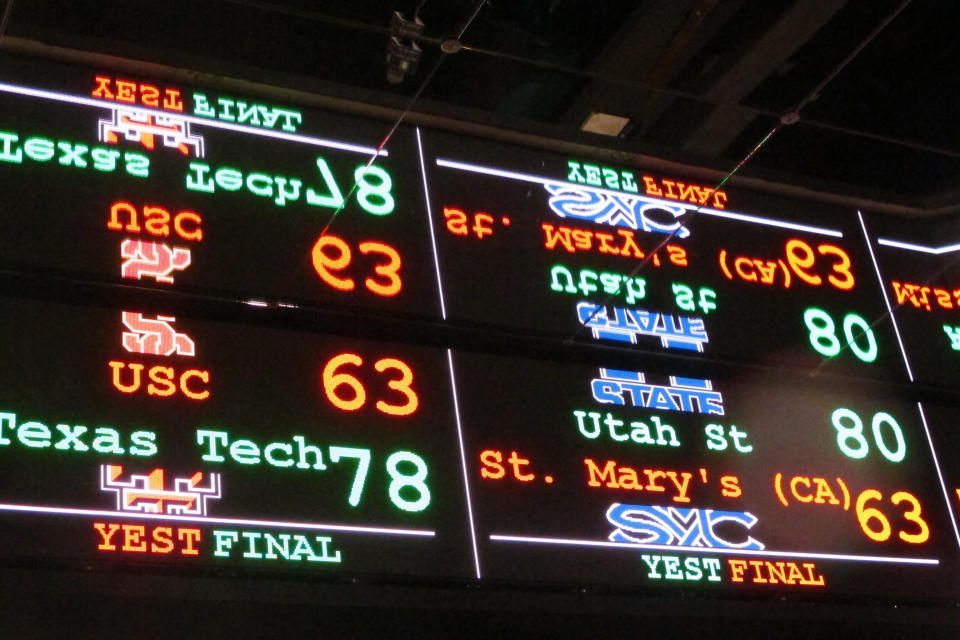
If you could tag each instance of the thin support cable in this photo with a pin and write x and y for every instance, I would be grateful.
(850, 57)
(687, 217)
(6, 18)
(406, 111)
(886, 314)
(416, 12)
(625, 82)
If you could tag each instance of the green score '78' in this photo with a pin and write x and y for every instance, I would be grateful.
(402, 485)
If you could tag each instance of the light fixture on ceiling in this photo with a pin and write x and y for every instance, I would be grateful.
(605, 124)
(403, 54)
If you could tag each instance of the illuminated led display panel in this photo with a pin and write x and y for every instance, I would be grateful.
(919, 263)
(578, 249)
(742, 483)
(940, 418)
(143, 437)
(187, 188)
(139, 435)
(174, 186)
(131, 437)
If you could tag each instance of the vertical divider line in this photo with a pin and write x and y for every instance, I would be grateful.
(886, 298)
(433, 237)
(453, 377)
(936, 464)
(463, 464)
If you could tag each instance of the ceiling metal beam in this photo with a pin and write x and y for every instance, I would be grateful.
(702, 21)
(652, 45)
(272, 86)
(771, 51)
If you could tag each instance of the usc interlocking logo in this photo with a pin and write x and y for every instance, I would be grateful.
(154, 336)
(152, 259)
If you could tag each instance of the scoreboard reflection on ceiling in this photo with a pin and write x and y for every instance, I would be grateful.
(143, 437)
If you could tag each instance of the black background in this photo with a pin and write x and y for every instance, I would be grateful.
(252, 248)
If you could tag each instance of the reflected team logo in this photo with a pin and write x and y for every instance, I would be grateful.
(147, 129)
(137, 117)
(625, 324)
(616, 209)
(147, 493)
(152, 259)
(155, 336)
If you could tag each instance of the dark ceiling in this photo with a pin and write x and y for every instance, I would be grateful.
(702, 81)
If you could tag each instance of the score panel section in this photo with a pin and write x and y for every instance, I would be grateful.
(131, 437)
(177, 186)
(919, 265)
(940, 419)
(552, 244)
(645, 479)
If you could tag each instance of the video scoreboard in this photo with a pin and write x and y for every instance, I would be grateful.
(762, 401)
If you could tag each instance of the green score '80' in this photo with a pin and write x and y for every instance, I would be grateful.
(857, 332)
